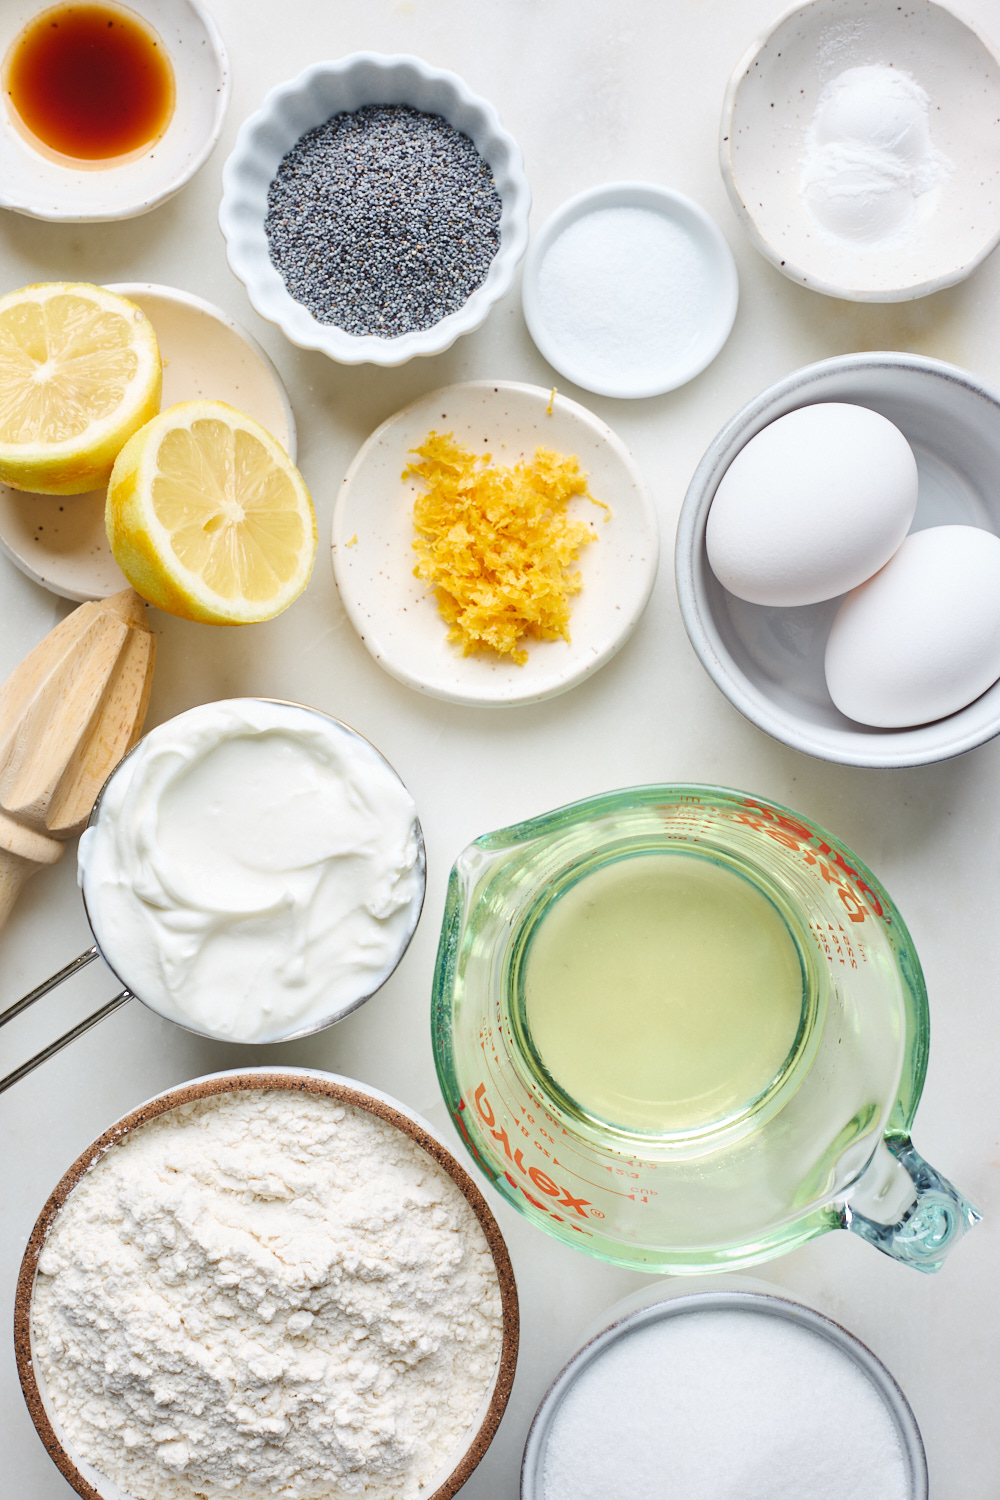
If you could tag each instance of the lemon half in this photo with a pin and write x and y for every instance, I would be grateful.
(208, 518)
(79, 373)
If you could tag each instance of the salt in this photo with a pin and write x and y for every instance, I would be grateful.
(721, 1405)
(623, 292)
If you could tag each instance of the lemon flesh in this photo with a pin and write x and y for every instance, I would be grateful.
(79, 373)
(208, 518)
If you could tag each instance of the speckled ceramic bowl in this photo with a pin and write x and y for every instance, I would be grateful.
(769, 106)
(32, 184)
(287, 113)
(454, 1472)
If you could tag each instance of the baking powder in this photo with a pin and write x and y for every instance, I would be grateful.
(870, 169)
(267, 1293)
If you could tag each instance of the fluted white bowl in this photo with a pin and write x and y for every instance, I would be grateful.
(326, 89)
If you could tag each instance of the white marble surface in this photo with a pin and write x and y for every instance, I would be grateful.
(593, 93)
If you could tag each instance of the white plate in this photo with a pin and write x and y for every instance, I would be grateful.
(59, 540)
(32, 184)
(713, 287)
(395, 614)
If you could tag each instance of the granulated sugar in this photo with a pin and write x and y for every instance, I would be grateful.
(623, 293)
(267, 1294)
(723, 1405)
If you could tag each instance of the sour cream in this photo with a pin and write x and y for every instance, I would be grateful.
(255, 870)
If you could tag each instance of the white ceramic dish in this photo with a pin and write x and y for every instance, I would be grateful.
(59, 540)
(769, 105)
(897, 1406)
(395, 613)
(768, 661)
(718, 292)
(43, 189)
(83, 1477)
(326, 89)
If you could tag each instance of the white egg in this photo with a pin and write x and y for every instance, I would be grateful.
(812, 506)
(922, 638)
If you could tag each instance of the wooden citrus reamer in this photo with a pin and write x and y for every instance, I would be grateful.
(68, 714)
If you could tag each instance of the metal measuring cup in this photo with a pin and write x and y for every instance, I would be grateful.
(126, 994)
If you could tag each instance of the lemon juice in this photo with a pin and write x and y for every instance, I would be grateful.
(662, 992)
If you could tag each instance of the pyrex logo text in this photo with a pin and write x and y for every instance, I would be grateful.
(539, 1179)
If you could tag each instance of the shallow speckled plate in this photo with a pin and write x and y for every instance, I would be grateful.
(395, 614)
(769, 106)
(59, 540)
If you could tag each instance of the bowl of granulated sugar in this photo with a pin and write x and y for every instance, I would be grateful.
(718, 1394)
(629, 289)
(267, 1282)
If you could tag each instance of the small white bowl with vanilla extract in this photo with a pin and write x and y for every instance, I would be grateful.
(107, 110)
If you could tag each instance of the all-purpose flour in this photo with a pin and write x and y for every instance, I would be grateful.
(266, 1293)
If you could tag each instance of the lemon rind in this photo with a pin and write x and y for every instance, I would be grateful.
(61, 468)
(139, 541)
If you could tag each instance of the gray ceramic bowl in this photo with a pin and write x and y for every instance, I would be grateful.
(769, 662)
(911, 1443)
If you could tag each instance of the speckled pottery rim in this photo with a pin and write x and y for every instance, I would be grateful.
(911, 1443)
(761, 102)
(326, 89)
(327, 1085)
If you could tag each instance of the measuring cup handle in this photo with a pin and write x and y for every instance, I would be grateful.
(69, 1036)
(937, 1215)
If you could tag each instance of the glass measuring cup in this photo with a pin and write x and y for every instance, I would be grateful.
(274, 908)
(824, 1145)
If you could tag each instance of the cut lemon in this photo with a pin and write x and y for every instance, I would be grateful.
(79, 373)
(208, 518)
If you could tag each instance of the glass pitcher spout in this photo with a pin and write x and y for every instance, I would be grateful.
(928, 1215)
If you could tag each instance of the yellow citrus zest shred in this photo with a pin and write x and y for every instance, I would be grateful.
(496, 543)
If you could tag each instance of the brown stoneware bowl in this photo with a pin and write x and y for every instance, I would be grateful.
(93, 1485)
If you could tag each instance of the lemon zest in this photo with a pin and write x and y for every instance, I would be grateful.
(497, 545)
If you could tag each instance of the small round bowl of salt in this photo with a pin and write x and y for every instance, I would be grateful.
(730, 1393)
(630, 290)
